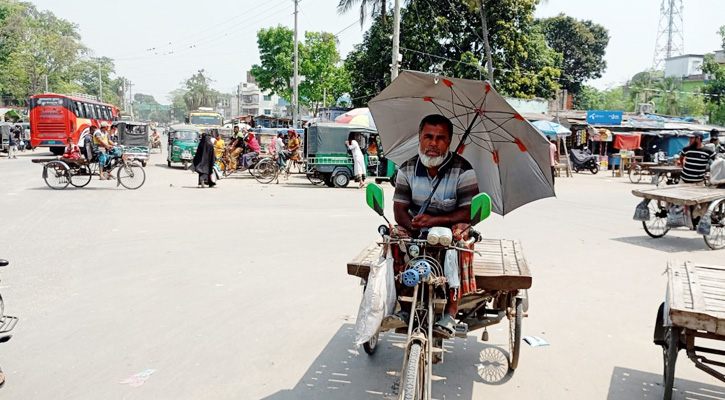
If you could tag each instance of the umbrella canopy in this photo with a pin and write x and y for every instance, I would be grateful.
(357, 116)
(510, 156)
(552, 128)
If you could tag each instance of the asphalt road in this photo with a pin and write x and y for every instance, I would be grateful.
(241, 292)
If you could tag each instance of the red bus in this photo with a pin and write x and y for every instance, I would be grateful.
(55, 117)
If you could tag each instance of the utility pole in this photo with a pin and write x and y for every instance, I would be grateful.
(296, 78)
(130, 100)
(46, 83)
(100, 82)
(396, 41)
(487, 46)
(239, 97)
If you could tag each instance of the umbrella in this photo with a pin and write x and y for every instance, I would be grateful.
(357, 116)
(511, 157)
(552, 128)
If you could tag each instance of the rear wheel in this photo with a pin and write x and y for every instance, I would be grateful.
(656, 227)
(265, 171)
(371, 345)
(594, 169)
(413, 380)
(635, 174)
(517, 314)
(341, 180)
(56, 175)
(81, 177)
(131, 176)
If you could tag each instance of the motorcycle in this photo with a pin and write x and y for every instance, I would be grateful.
(584, 160)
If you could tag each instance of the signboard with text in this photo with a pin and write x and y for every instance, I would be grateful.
(598, 117)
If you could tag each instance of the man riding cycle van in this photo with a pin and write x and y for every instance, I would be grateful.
(106, 148)
(450, 206)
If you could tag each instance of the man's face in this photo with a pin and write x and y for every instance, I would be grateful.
(236, 129)
(434, 140)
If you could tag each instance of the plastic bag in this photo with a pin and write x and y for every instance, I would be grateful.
(378, 299)
(641, 213)
(717, 172)
(705, 225)
(677, 216)
(450, 267)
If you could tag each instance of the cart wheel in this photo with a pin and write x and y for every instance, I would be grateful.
(716, 239)
(56, 175)
(517, 314)
(131, 176)
(669, 354)
(635, 174)
(265, 171)
(81, 177)
(656, 227)
(371, 345)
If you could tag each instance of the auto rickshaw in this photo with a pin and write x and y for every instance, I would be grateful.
(183, 141)
(135, 137)
(329, 162)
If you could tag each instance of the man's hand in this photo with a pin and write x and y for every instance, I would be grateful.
(424, 221)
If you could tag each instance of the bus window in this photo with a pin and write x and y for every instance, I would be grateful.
(109, 113)
(103, 112)
(80, 112)
(87, 111)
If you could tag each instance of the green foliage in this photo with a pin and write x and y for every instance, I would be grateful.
(199, 92)
(276, 54)
(319, 64)
(178, 105)
(376, 8)
(582, 44)
(715, 88)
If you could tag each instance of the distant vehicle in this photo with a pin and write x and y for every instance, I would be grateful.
(125, 117)
(55, 117)
(205, 119)
(182, 144)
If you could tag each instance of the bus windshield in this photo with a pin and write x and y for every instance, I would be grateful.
(205, 120)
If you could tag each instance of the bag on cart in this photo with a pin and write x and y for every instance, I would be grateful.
(378, 299)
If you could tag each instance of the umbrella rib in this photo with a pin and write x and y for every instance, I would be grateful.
(439, 108)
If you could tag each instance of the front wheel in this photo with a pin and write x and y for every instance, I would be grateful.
(413, 383)
(594, 169)
(515, 333)
(716, 239)
(131, 176)
(266, 171)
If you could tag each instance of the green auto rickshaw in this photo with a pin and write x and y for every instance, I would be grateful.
(329, 162)
(183, 141)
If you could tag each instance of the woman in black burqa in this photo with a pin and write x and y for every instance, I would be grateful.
(204, 160)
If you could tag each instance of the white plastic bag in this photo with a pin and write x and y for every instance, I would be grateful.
(450, 267)
(378, 300)
(717, 172)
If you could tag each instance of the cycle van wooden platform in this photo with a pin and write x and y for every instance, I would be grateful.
(694, 308)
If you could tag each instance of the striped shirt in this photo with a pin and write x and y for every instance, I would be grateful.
(457, 188)
(696, 162)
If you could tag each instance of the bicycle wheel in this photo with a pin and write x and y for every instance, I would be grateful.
(716, 239)
(413, 380)
(656, 226)
(56, 176)
(266, 171)
(80, 177)
(131, 176)
(635, 173)
(515, 333)
(669, 356)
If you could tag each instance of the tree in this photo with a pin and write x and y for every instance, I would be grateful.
(178, 105)
(199, 92)
(276, 54)
(377, 7)
(582, 44)
(668, 99)
(320, 65)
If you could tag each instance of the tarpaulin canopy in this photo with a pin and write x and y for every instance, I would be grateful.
(627, 142)
(329, 138)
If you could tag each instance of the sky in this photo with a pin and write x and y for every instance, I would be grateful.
(158, 44)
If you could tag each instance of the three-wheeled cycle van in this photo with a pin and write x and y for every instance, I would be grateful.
(134, 136)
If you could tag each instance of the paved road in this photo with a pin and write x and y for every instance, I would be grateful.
(240, 292)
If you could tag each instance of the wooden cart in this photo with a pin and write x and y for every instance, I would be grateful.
(694, 308)
(670, 174)
(705, 208)
(649, 171)
(502, 277)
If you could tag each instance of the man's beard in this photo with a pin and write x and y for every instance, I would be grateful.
(432, 162)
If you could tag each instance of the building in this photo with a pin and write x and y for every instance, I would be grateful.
(684, 67)
(251, 100)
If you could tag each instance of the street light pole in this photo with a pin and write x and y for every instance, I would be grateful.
(100, 82)
(396, 41)
(294, 87)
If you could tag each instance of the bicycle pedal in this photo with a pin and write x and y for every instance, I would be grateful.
(461, 330)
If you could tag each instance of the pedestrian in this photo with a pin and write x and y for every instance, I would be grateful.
(280, 151)
(358, 161)
(13, 145)
(204, 162)
(553, 158)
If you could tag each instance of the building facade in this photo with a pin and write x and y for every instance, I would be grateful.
(251, 100)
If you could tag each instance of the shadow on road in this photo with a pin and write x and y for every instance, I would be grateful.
(629, 384)
(668, 244)
(343, 372)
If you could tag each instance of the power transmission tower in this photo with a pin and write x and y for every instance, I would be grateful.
(670, 35)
